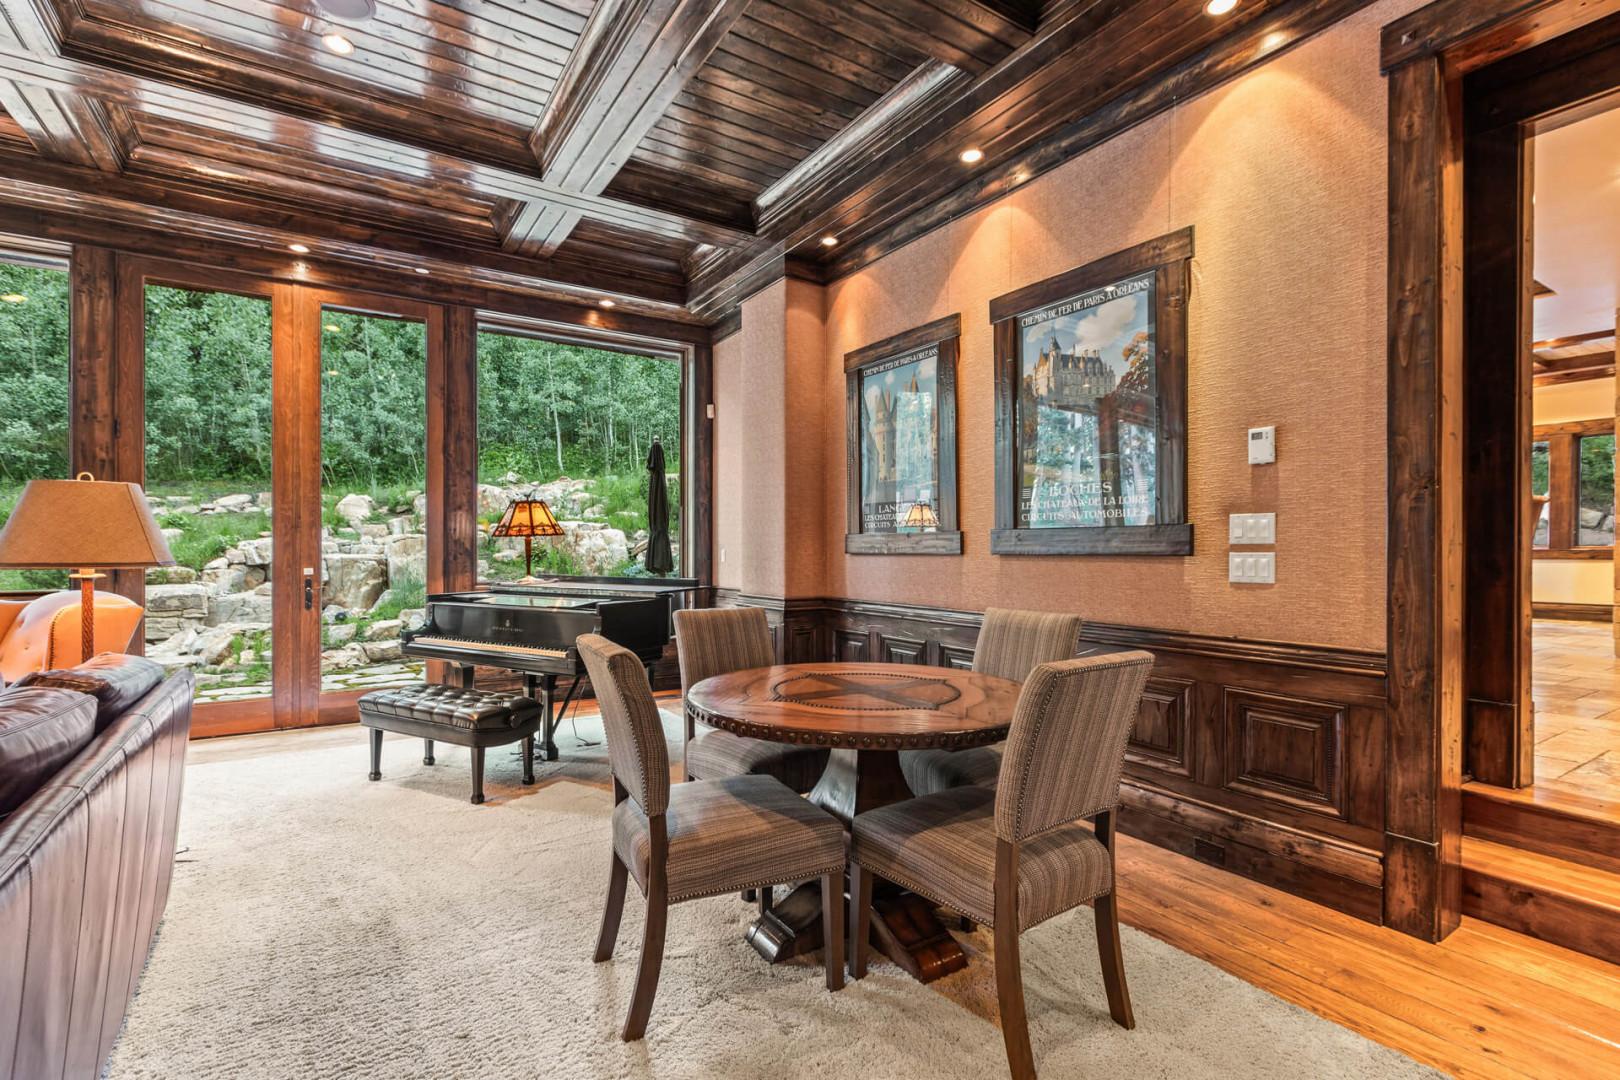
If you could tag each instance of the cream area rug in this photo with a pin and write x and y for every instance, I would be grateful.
(321, 925)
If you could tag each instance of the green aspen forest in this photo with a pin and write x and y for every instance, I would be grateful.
(546, 410)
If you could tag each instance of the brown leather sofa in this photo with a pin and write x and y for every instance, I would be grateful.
(85, 860)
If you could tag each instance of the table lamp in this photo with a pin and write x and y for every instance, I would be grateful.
(920, 516)
(78, 525)
(527, 518)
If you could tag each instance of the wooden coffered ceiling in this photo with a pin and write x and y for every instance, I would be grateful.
(666, 153)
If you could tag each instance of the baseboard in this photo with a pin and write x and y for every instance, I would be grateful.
(1579, 612)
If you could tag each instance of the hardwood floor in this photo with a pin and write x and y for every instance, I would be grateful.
(1576, 683)
(1487, 1002)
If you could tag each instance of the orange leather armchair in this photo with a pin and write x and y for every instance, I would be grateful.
(43, 634)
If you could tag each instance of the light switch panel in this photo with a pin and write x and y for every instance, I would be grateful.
(1251, 567)
(1251, 528)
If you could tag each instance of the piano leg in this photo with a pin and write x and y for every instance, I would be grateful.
(466, 672)
(546, 685)
(528, 759)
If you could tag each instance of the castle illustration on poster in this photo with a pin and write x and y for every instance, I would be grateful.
(899, 439)
(1087, 422)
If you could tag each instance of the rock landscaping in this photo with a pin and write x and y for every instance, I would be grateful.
(215, 617)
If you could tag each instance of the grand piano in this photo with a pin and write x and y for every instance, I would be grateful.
(530, 627)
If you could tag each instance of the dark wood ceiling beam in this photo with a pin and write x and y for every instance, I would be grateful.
(1580, 374)
(225, 215)
(196, 106)
(632, 61)
(539, 229)
(1584, 361)
(65, 126)
(1573, 339)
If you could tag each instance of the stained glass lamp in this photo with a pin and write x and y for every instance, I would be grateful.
(79, 524)
(527, 518)
(921, 516)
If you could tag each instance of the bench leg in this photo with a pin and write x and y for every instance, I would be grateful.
(478, 774)
(376, 754)
(427, 752)
(528, 759)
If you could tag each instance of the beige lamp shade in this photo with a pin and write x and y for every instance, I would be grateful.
(920, 516)
(527, 517)
(70, 524)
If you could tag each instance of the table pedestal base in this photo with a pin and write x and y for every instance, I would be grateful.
(904, 926)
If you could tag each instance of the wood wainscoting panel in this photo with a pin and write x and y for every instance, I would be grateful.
(1266, 758)
(1161, 739)
(1285, 748)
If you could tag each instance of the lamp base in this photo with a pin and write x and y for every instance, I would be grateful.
(87, 579)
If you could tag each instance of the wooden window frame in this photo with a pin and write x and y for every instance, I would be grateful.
(945, 333)
(1170, 258)
(1563, 483)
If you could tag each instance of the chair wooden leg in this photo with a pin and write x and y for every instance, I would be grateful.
(767, 899)
(614, 908)
(652, 960)
(1009, 976)
(1113, 961)
(376, 755)
(427, 751)
(860, 919)
(478, 774)
(832, 928)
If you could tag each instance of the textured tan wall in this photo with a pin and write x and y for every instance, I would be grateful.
(1282, 173)
(729, 460)
(807, 456)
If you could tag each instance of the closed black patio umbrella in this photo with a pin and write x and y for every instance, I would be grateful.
(660, 559)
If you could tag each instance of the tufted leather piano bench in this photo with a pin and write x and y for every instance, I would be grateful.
(453, 714)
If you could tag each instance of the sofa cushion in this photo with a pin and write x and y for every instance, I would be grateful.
(115, 680)
(41, 730)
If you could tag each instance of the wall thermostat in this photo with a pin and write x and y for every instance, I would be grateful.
(1262, 445)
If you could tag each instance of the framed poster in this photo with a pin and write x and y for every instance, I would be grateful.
(900, 414)
(1091, 407)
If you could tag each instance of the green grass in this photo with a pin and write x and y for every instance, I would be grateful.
(205, 537)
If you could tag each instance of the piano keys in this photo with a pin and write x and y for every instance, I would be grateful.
(530, 628)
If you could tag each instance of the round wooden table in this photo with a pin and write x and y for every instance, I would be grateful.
(865, 714)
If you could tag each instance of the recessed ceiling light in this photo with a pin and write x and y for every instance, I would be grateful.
(14, 298)
(1220, 7)
(343, 46)
(972, 156)
(829, 241)
(608, 303)
(302, 249)
(423, 270)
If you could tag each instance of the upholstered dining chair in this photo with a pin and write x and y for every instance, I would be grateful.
(714, 641)
(1015, 856)
(1010, 644)
(703, 838)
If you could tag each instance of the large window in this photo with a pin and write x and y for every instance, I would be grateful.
(1572, 476)
(573, 426)
(34, 387)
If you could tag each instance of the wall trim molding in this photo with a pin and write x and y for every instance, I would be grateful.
(1331, 658)
(1547, 609)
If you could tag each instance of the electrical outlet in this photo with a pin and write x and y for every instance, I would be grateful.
(1251, 567)
(1251, 528)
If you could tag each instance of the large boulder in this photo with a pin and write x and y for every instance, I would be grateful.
(407, 558)
(233, 504)
(355, 581)
(355, 509)
(492, 501)
(256, 552)
(239, 607)
(186, 600)
(595, 547)
(383, 630)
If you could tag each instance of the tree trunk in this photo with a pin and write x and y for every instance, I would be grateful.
(556, 424)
